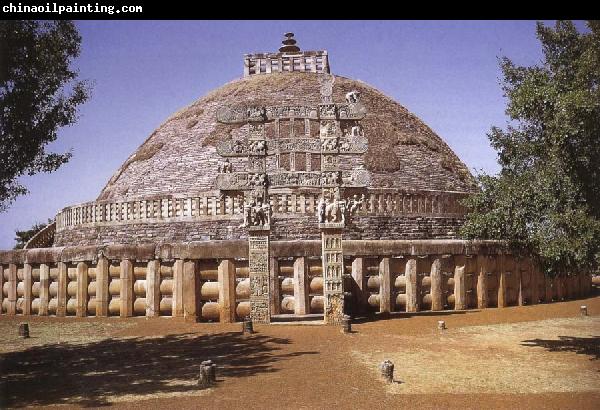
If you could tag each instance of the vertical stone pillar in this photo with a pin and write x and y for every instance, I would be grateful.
(333, 269)
(413, 286)
(61, 309)
(127, 296)
(460, 290)
(12, 289)
(533, 282)
(27, 289)
(559, 285)
(482, 285)
(258, 261)
(227, 291)
(502, 281)
(437, 293)
(302, 301)
(385, 286)
(82, 289)
(549, 289)
(191, 291)
(44, 288)
(519, 274)
(360, 294)
(102, 283)
(275, 287)
(177, 309)
(577, 286)
(153, 288)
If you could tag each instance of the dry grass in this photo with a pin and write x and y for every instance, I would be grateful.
(502, 358)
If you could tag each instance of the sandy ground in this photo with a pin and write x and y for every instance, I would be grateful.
(543, 356)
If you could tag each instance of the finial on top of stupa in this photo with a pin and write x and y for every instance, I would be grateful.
(289, 44)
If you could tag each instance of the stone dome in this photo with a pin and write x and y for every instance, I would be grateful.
(180, 156)
(288, 137)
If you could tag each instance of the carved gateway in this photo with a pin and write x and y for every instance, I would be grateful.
(339, 133)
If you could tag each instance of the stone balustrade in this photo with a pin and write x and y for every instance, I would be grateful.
(209, 281)
(378, 202)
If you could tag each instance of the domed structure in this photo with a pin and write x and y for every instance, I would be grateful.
(174, 187)
(289, 194)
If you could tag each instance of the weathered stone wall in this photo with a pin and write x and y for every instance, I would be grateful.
(180, 156)
(287, 228)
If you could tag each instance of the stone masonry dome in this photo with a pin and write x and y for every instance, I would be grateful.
(290, 194)
(188, 180)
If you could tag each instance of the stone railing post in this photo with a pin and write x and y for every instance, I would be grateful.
(127, 295)
(153, 288)
(301, 292)
(82, 289)
(102, 283)
(533, 282)
(27, 289)
(227, 290)
(437, 294)
(460, 291)
(191, 291)
(502, 266)
(274, 287)
(361, 294)
(385, 287)
(177, 309)
(44, 289)
(482, 286)
(413, 285)
(61, 309)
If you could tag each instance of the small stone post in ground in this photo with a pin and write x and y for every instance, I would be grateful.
(387, 370)
(346, 324)
(24, 330)
(207, 375)
(247, 326)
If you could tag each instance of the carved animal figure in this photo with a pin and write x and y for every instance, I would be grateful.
(352, 97)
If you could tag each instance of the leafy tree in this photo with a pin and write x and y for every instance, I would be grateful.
(545, 202)
(22, 237)
(39, 93)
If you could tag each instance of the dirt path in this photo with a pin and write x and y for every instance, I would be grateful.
(543, 356)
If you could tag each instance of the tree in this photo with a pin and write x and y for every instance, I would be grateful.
(39, 93)
(22, 237)
(545, 201)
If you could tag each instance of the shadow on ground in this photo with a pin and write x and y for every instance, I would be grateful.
(374, 317)
(589, 346)
(86, 374)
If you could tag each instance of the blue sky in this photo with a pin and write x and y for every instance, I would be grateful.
(446, 72)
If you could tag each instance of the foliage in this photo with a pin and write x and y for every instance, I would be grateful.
(545, 201)
(39, 94)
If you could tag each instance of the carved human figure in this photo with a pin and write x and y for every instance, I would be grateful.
(321, 207)
(356, 131)
(224, 167)
(354, 203)
(255, 113)
(329, 144)
(237, 146)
